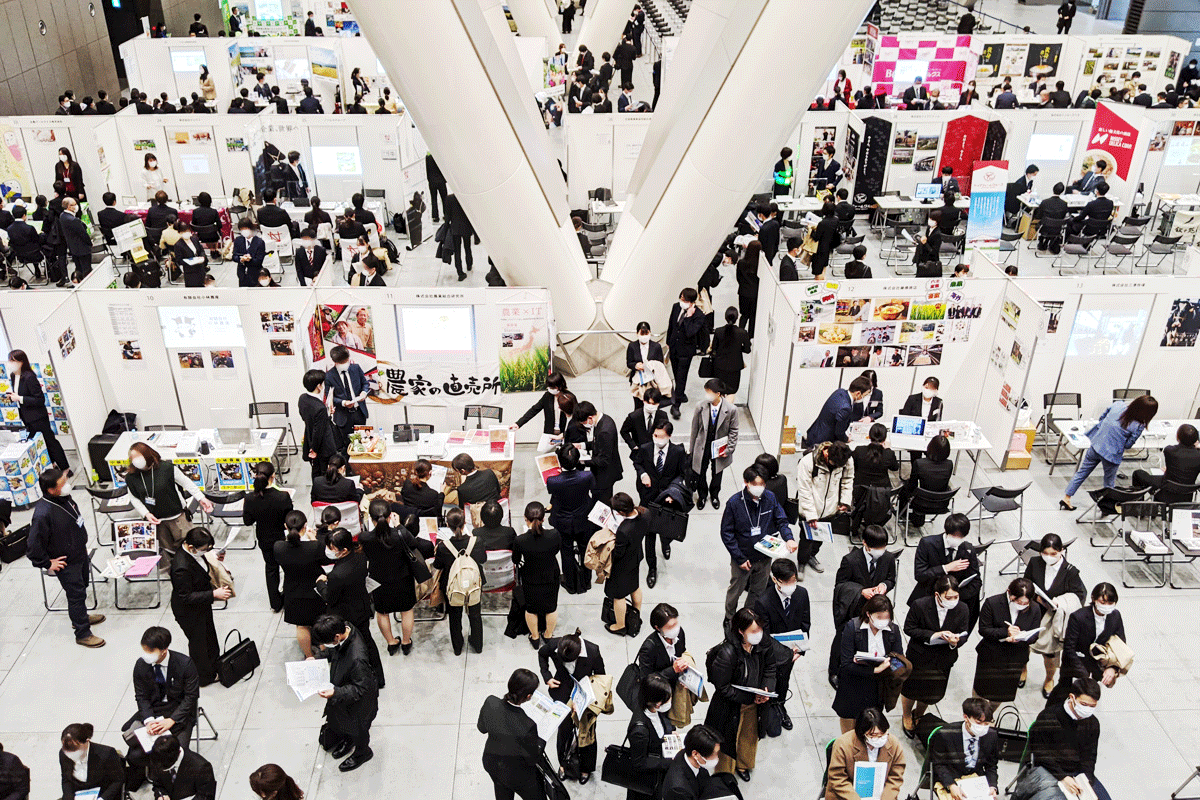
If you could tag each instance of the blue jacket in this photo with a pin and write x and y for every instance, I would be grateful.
(831, 424)
(736, 524)
(1109, 439)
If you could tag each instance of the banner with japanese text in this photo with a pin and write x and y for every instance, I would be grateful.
(524, 347)
(985, 220)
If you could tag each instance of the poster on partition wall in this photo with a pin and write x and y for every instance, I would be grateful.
(524, 347)
(989, 180)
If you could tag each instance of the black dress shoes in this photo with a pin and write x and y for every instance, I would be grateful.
(667, 550)
(355, 761)
(785, 718)
(744, 774)
(651, 578)
(700, 503)
(342, 750)
(716, 502)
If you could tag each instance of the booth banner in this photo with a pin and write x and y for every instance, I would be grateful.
(15, 177)
(436, 384)
(524, 347)
(351, 326)
(945, 62)
(985, 220)
(850, 156)
(1112, 138)
(872, 162)
(993, 142)
(962, 147)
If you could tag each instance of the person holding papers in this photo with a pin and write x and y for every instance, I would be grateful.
(936, 627)
(868, 641)
(513, 750)
(824, 491)
(1095, 623)
(865, 761)
(344, 589)
(192, 598)
(391, 556)
(624, 581)
(837, 412)
(179, 774)
(949, 553)
(964, 750)
(570, 503)
(553, 416)
(647, 727)
(349, 387)
(639, 354)
(1063, 739)
(741, 671)
(572, 658)
(151, 482)
(1008, 624)
(352, 698)
(784, 612)
(1060, 593)
(190, 256)
(89, 765)
(166, 687)
(662, 651)
(663, 477)
(713, 440)
(865, 572)
(300, 556)
(753, 522)
(534, 554)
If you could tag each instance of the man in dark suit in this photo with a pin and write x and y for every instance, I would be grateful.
(845, 213)
(475, 486)
(297, 180)
(1096, 216)
(925, 404)
(567, 12)
(1060, 97)
(437, 184)
(350, 388)
(270, 215)
(462, 231)
(948, 553)
(197, 28)
(783, 608)
(1181, 463)
(768, 232)
(310, 104)
(111, 217)
(102, 105)
(623, 57)
(75, 245)
(1053, 207)
(637, 428)
(834, 418)
(1064, 737)
(788, 271)
(916, 96)
(947, 181)
(6, 217)
(829, 173)
(281, 106)
(310, 25)
(1143, 97)
(319, 441)
(177, 773)
(863, 573)
(659, 463)
(249, 250)
(683, 339)
(1017, 188)
(603, 444)
(1090, 181)
(352, 701)
(309, 257)
(141, 105)
(161, 215)
(691, 769)
(165, 684)
(25, 240)
(966, 748)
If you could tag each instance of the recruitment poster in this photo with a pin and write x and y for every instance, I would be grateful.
(989, 180)
(14, 167)
(524, 347)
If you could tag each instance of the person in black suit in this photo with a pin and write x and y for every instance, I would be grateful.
(571, 492)
(684, 326)
(110, 217)
(1003, 650)
(165, 684)
(310, 104)
(925, 404)
(309, 257)
(637, 427)
(103, 106)
(300, 556)
(1063, 739)
(1053, 207)
(513, 750)
(965, 749)
(160, 215)
(691, 770)
(1181, 464)
(648, 725)
(266, 508)
(1095, 217)
(349, 387)
(1051, 573)
(475, 486)
(948, 553)
(297, 179)
(788, 269)
(916, 96)
(936, 627)
(88, 765)
(567, 12)
(320, 441)
(25, 241)
(931, 473)
(929, 246)
(661, 653)
(1095, 623)
(845, 213)
(875, 460)
(352, 700)
(1090, 181)
(310, 25)
(534, 556)
(1017, 188)
(345, 593)
(14, 777)
(75, 241)
(865, 572)
(873, 631)
(624, 578)
(417, 495)
(768, 232)
(562, 662)
(730, 345)
(166, 106)
(369, 276)
(449, 548)
(784, 609)
(186, 251)
(623, 56)
(388, 552)
(462, 231)
(602, 442)
(177, 773)
(553, 416)
(27, 393)
(643, 350)
(829, 172)
(663, 475)
(248, 253)
(270, 215)
(192, 598)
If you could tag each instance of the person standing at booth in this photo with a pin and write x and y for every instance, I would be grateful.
(266, 508)
(27, 393)
(319, 441)
(208, 89)
(153, 178)
(1119, 427)
(350, 388)
(151, 483)
(70, 173)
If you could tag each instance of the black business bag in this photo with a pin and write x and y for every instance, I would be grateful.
(629, 685)
(13, 544)
(1013, 733)
(238, 662)
(668, 523)
(622, 768)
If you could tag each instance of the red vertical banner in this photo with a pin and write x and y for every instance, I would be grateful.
(962, 147)
(1113, 137)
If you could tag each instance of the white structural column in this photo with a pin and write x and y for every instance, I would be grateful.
(462, 84)
(720, 145)
(603, 25)
(533, 19)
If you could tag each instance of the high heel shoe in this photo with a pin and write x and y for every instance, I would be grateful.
(1062, 504)
(393, 649)
(406, 648)
(909, 732)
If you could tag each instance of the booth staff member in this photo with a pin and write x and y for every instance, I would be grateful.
(153, 178)
(151, 482)
(31, 400)
(349, 387)
(927, 404)
(783, 173)
(67, 171)
(75, 243)
(1089, 182)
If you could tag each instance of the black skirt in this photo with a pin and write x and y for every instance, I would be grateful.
(998, 670)
(303, 610)
(395, 598)
(540, 598)
(930, 671)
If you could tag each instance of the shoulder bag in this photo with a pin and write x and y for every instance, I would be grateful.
(621, 768)
(1113, 653)
(237, 662)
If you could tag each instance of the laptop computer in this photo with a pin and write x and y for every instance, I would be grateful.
(232, 437)
(909, 426)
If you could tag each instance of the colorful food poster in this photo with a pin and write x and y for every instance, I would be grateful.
(835, 334)
(524, 347)
(891, 310)
(853, 356)
(1010, 312)
(231, 474)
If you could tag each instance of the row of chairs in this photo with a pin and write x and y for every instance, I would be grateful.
(1096, 243)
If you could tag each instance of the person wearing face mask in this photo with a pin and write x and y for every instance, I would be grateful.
(663, 478)
(661, 653)
(153, 178)
(866, 739)
(690, 772)
(534, 554)
(647, 727)
(369, 273)
(89, 765)
(152, 486)
(784, 609)
(320, 439)
(30, 398)
(834, 417)
(192, 598)
(744, 658)
(266, 508)
(352, 698)
(265, 279)
(870, 405)
(248, 253)
(343, 588)
(684, 328)
(190, 256)
(1095, 623)
(600, 437)
(1053, 577)
(949, 553)
(1063, 739)
(513, 751)
(309, 257)
(449, 548)
(70, 173)
(824, 492)
(553, 418)
(300, 556)
(966, 749)
(749, 516)
(639, 353)
(1005, 622)
(562, 662)
(637, 427)
(936, 627)
(713, 442)
(348, 385)
(270, 782)
(166, 687)
(859, 686)
(58, 544)
(863, 573)
(926, 404)
(176, 773)
(624, 581)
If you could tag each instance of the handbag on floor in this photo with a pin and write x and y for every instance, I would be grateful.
(633, 617)
(1013, 733)
(238, 662)
(13, 544)
(621, 768)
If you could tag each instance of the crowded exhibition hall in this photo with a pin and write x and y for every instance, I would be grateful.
(815, 346)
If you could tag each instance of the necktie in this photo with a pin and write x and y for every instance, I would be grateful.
(871, 566)
(714, 415)
(649, 421)
(787, 603)
(346, 383)
(949, 554)
(972, 750)
(159, 676)
(662, 458)
(172, 772)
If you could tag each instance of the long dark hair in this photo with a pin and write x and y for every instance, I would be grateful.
(535, 517)
(336, 462)
(294, 522)
(270, 781)
(379, 511)
(263, 472)
(1142, 409)
(20, 357)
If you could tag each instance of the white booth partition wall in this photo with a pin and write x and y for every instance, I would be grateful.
(602, 150)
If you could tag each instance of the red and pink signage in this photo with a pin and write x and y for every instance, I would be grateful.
(1115, 137)
(936, 61)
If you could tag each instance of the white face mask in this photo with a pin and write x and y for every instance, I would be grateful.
(978, 728)
(248, 235)
(330, 553)
(13, 367)
(150, 658)
(754, 638)
(1104, 609)
(138, 461)
(552, 391)
(152, 164)
(569, 666)
(264, 282)
(786, 589)
(875, 553)
(928, 394)
(660, 442)
(712, 398)
(684, 306)
(308, 243)
(953, 541)
(77, 756)
(1016, 609)
(66, 491)
(672, 632)
(63, 158)
(644, 339)
(948, 604)
(198, 555)
(1079, 710)
(754, 490)
(877, 742)
(1050, 560)
(650, 409)
(881, 623)
(710, 764)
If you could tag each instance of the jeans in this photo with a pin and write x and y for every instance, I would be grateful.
(755, 579)
(74, 581)
(1092, 459)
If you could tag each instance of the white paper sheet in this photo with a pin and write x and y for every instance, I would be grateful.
(306, 678)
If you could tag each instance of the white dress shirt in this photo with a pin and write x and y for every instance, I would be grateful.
(875, 645)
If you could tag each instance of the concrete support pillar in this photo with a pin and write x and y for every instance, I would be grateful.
(533, 19)
(603, 24)
(483, 128)
(714, 154)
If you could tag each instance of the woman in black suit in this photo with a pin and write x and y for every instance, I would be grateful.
(931, 473)
(874, 460)
(513, 749)
(89, 765)
(334, 486)
(869, 406)
(626, 560)
(647, 727)
(26, 392)
(300, 556)
(875, 632)
(1095, 623)
(206, 216)
(344, 590)
(661, 652)
(70, 173)
(418, 495)
(185, 249)
(584, 660)
(1002, 655)
(315, 216)
(389, 557)
(192, 598)
(933, 626)
(554, 418)
(645, 349)
(1056, 577)
(266, 508)
(534, 554)
(730, 344)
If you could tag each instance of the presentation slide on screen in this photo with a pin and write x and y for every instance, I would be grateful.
(908, 71)
(336, 161)
(1050, 147)
(1182, 151)
(187, 60)
(194, 163)
(1105, 333)
(291, 69)
(201, 326)
(437, 333)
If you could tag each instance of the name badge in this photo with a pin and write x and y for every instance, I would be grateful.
(149, 500)
(756, 531)
(80, 520)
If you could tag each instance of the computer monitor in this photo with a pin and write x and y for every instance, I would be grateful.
(910, 426)
(928, 191)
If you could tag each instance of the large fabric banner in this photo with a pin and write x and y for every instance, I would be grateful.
(524, 347)
(872, 161)
(985, 222)
(963, 146)
(1112, 140)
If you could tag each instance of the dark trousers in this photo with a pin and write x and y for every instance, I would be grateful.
(783, 677)
(271, 569)
(626, 74)
(203, 647)
(748, 308)
(513, 777)
(706, 486)
(587, 755)
(680, 366)
(434, 191)
(1064, 26)
(805, 548)
(475, 615)
(1143, 478)
(364, 629)
(465, 243)
(575, 578)
(74, 581)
